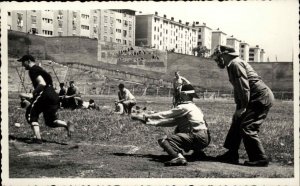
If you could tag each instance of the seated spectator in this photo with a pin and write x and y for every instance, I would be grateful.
(62, 93)
(126, 99)
(72, 99)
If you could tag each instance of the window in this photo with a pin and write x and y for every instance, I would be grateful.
(125, 23)
(124, 42)
(20, 20)
(46, 20)
(111, 30)
(85, 27)
(47, 32)
(118, 30)
(166, 31)
(242, 46)
(129, 34)
(124, 33)
(74, 14)
(33, 19)
(34, 31)
(105, 19)
(154, 37)
(9, 13)
(95, 30)
(199, 36)
(33, 10)
(118, 40)
(119, 20)
(85, 16)
(111, 20)
(105, 29)
(74, 26)
(95, 19)
(154, 28)
(60, 24)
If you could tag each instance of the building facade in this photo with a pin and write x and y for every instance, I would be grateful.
(204, 36)
(254, 54)
(108, 25)
(244, 51)
(233, 42)
(165, 34)
(218, 38)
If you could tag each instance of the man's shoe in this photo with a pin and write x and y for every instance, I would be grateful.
(176, 162)
(257, 163)
(70, 128)
(228, 157)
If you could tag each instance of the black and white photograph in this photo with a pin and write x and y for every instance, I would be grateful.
(150, 93)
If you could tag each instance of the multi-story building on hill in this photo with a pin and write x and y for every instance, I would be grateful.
(233, 42)
(117, 25)
(218, 38)
(244, 51)
(165, 34)
(254, 54)
(204, 36)
(108, 25)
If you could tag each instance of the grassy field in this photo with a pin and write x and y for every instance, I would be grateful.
(106, 145)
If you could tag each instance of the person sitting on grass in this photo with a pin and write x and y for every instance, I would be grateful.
(126, 99)
(73, 98)
(44, 100)
(191, 132)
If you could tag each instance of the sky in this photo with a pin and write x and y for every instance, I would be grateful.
(273, 25)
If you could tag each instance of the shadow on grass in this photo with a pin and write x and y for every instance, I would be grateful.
(164, 158)
(29, 140)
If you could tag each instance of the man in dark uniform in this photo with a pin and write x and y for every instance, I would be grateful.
(45, 100)
(253, 100)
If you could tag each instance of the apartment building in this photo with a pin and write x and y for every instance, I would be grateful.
(162, 33)
(108, 25)
(117, 25)
(233, 42)
(204, 36)
(218, 38)
(254, 54)
(244, 51)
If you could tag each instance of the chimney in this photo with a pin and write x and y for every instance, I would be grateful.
(172, 18)
(197, 22)
(156, 13)
(187, 23)
(179, 21)
(257, 46)
(165, 16)
(204, 24)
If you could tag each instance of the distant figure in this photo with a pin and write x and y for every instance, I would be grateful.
(44, 100)
(126, 99)
(253, 100)
(62, 93)
(72, 99)
(178, 81)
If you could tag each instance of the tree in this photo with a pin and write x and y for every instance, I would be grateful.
(200, 51)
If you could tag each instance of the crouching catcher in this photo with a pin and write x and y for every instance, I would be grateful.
(191, 131)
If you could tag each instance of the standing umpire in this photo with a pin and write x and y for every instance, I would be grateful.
(253, 100)
(45, 99)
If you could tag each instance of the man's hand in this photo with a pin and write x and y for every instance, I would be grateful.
(238, 113)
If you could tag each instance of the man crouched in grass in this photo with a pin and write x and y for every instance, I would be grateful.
(44, 100)
(191, 131)
(72, 99)
(126, 99)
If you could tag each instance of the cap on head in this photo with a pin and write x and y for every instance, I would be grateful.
(121, 85)
(26, 58)
(189, 89)
(224, 49)
(61, 84)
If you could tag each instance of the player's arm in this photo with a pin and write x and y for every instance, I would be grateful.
(187, 82)
(40, 85)
(173, 113)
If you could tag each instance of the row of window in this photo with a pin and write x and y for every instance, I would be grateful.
(47, 20)
(117, 40)
(47, 32)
